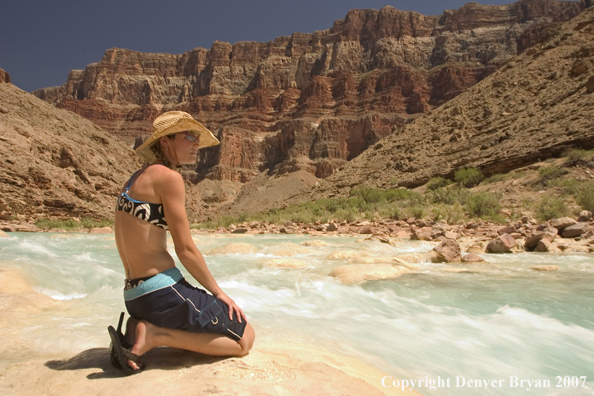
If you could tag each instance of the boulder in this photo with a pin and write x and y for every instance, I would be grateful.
(239, 230)
(575, 230)
(3, 234)
(472, 258)
(421, 234)
(233, 248)
(314, 242)
(562, 223)
(543, 245)
(449, 251)
(476, 249)
(365, 230)
(545, 268)
(291, 251)
(548, 234)
(357, 273)
(506, 230)
(285, 263)
(332, 227)
(502, 244)
(585, 215)
(345, 254)
(451, 235)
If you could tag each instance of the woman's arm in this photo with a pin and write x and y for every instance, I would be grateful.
(170, 187)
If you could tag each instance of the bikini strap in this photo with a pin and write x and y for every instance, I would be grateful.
(133, 178)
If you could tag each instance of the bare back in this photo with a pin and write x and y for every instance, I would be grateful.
(142, 246)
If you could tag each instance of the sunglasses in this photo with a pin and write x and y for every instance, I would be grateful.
(191, 137)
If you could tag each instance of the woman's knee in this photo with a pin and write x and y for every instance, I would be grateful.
(247, 340)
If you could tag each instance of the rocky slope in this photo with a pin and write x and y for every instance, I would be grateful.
(56, 163)
(4, 77)
(310, 101)
(537, 106)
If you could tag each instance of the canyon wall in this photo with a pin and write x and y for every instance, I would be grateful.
(310, 101)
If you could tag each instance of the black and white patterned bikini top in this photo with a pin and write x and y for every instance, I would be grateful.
(147, 211)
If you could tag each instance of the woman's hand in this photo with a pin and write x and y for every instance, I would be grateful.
(233, 307)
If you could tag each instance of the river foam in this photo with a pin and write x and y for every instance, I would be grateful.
(493, 321)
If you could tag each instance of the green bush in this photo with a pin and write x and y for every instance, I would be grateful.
(579, 157)
(454, 213)
(417, 211)
(482, 205)
(439, 213)
(497, 178)
(438, 182)
(398, 194)
(549, 208)
(549, 173)
(569, 186)
(447, 196)
(369, 194)
(585, 196)
(345, 215)
(468, 177)
(397, 214)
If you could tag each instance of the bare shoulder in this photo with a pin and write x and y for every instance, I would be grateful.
(165, 180)
(163, 175)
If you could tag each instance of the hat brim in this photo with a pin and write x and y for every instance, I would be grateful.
(206, 137)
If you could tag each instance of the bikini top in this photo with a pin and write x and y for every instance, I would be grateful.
(147, 211)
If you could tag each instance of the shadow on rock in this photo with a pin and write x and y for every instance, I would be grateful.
(157, 358)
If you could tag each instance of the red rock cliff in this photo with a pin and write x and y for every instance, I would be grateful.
(311, 101)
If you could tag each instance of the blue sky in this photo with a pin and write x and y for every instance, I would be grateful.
(42, 40)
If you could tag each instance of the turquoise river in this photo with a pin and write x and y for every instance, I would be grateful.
(499, 321)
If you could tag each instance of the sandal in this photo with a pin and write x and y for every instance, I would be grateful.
(119, 350)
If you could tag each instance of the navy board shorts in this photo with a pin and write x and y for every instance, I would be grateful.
(168, 300)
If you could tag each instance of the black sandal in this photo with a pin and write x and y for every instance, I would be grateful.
(119, 350)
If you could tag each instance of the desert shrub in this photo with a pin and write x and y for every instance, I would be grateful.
(454, 213)
(438, 212)
(549, 173)
(549, 208)
(579, 157)
(397, 213)
(482, 205)
(497, 178)
(517, 174)
(585, 196)
(447, 196)
(468, 177)
(568, 186)
(416, 199)
(417, 211)
(345, 215)
(438, 182)
(398, 194)
(304, 216)
(370, 215)
(369, 194)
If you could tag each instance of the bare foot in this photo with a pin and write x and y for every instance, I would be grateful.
(142, 341)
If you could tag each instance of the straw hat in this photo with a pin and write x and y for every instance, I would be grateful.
(170, 123)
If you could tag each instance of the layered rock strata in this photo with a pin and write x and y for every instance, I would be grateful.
(56, 163)
(536, 107)
(4, 77)
(309, 101)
